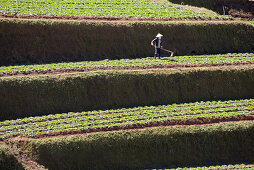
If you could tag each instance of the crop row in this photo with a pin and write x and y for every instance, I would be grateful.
(99, 120)
(127, 116)
(149, 61)
(221, 167)
(118, 8)
(197, 106)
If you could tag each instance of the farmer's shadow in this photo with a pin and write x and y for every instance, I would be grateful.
(168, 59)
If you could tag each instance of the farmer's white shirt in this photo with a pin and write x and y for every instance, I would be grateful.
(159, 43)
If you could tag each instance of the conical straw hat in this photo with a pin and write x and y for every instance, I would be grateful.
(159, 35)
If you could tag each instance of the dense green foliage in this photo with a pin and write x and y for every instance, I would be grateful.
(162, 147)
(59, 93)
(116, 8)
(149, 61)
(123, 118)
(60, 40)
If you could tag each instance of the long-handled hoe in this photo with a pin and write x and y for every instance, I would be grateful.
(171, 52)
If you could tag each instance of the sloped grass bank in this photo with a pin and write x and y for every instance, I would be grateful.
(163, 147)
(36, 41)
(7, 159)
(22, 96)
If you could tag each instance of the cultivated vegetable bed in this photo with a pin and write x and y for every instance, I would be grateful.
(116, 8)
(138, 117)
(177, 61)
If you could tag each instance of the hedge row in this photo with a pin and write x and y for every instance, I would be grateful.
(36, 41)
(163, 147)
(23, 96)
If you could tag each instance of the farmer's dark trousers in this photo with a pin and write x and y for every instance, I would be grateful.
(157, 52)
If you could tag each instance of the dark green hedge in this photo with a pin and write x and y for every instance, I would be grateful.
(35, 41)
(23, 96)
(163, 147)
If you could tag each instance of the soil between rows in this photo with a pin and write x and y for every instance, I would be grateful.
(179, 122)
(123, 68)
(109, 18)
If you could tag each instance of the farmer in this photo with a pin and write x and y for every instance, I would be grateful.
(157, 44)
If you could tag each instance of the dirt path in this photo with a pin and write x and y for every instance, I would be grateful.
(102, 18)
(23, 159)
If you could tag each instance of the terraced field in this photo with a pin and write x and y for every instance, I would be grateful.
(175, 132)
(192, 118)
(112, 8)
(84, 122)
(149, 62)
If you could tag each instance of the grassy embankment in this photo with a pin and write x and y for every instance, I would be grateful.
(163, 147)
(68, 40)
(47, 94)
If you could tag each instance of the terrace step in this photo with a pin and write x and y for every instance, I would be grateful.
(212, 131)
(22, 96)
(90, 40)
(131, 118)
(161, 147)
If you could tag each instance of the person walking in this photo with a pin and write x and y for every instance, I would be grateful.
(157, 44)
